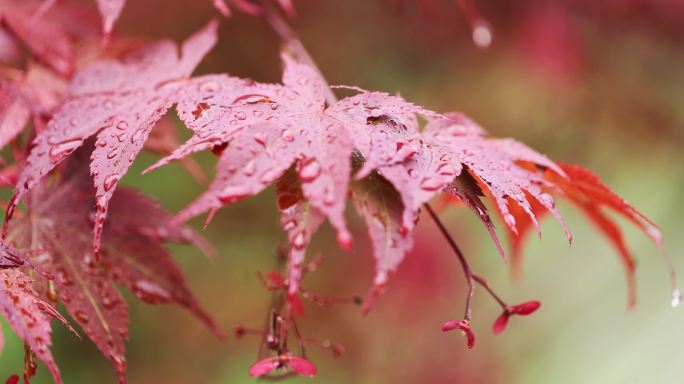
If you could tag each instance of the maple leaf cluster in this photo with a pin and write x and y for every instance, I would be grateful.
(87, 124)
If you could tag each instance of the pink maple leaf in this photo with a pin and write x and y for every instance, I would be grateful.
(118, 102)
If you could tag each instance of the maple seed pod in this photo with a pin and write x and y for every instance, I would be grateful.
(299, 365)
(464, 327)
(524, 309)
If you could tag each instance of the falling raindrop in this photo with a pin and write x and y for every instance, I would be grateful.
(676, 297)
(482, 34)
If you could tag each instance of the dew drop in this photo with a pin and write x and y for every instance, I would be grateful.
(63, 278)
(290, 225)
(328, 197)
(81, 316)
(108, 302)
(299, 241)
(113, 153)
(240, 115)
(287, 135)
(110, 181)
(404, 151)
(249, 169)
(260, 138)
(268, 176)
(208, 86)
(344, 239)
(547, 200)
(119, 362)
(509, 219)
(233, 193)
(150, 292)
(64, 148)
(122, 125)
(446, 169)
(309, 170)
(431, 184)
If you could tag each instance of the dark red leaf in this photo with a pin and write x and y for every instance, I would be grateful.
(133, 255)
(26, 314)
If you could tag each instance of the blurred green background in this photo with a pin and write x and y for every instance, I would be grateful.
(599, 85)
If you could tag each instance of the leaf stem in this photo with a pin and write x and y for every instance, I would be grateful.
(470, 276)
(467, 271)
(483, 282)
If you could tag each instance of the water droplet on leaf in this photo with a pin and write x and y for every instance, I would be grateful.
(309, 171)
(64, 148)
(431, 184)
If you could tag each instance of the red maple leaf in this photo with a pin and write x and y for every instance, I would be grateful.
(586, 190)
(262, 130)
(269, 128)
